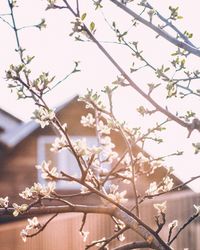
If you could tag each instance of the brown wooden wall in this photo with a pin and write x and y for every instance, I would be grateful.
(63, 232)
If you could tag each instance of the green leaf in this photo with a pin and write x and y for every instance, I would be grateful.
(92, 26)
(166, 69)
(83, 16)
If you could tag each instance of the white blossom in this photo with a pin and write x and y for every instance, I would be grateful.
(153, 189)
(173, 224)
(168, 184)
(26, 194)
(43, 116)
(81, 147)
(106, 141)
(48, 173)
(160, 207)
(117, 196)
(4, 202)
(32, 223)
(197, 209)
(24, 234)
(121, 237)
(84, 189)
(101, 242)
(84, 235)
(59, 144)
(87, 121)
(43, 190)
(103, 128)
(19, 209)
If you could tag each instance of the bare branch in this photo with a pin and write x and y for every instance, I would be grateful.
(19, 48)
(193, 50)
(192, 218)
(134, 245)
(178, 187)
(8, 212)
(42, 227)
(171, 25)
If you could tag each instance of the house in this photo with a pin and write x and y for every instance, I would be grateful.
(8, 123)
(23, 145)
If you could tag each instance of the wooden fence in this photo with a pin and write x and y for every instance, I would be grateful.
(63, 232)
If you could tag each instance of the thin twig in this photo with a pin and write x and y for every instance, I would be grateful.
(19, 48)
(5, 21)
(114, 236)
(170, 24)
(42, 227)
(193, 217)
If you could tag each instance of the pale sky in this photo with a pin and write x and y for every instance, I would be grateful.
(55, 52)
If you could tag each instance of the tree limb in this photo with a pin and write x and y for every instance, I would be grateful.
(133, 245)
(170, 24)
(193, 50)
(8, 212)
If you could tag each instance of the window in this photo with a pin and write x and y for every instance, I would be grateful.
(63, 160)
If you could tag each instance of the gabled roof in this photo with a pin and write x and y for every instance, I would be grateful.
(8, 123)
(11, 116)
(20, 132)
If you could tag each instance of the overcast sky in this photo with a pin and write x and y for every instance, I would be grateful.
(55, 52)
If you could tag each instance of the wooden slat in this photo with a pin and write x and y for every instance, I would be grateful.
(63, 232)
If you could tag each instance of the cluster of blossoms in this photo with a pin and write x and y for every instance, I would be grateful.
(88, 120)
(32, 224)
(147, 166)
(40, 84)
(83, 150)
(47, 173)
(117, 196)
(81, 147)
(38, 190)
(92, 99)
(4, 202)
(143, 166)
(166, 186)
(43, 116)
(107, 153)
(153, 189)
